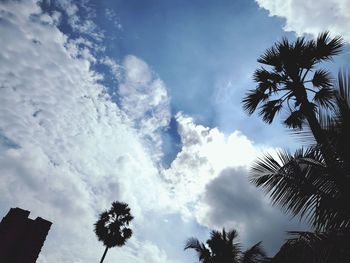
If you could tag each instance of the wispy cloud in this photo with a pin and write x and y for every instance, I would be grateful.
(144, 99)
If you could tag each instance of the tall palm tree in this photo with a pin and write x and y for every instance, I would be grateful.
(303, 183)
(294, 83)
(112, 227)
(222, 248)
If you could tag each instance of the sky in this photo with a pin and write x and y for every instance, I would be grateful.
(140, 102)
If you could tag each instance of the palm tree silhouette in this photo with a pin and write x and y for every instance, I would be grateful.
(255, 254)
(302, 183)
(223, 248)
(317, 247)
(112, 226)
(294, 84)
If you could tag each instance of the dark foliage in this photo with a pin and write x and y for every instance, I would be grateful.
(223, 248)
(315, 247)
(112, 227)
(293, 84)
(303, 184)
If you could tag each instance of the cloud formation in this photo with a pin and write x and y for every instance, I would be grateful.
(205, 153)
(144, 98)
(231, 201)
(67, 150)
(209, 181)
(311, 17)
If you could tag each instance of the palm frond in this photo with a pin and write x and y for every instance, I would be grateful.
(327, 47)
(271, 57)
(295, 120)
(305, 53)
(203, 253)
(296, 182)
(322, 79)
(269, 110)
(325, 97)
(231, 236)
(316, 247)
(253, 99)
(193, 243)
(255, 254)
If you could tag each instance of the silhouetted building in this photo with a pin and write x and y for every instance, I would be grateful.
(21, 238)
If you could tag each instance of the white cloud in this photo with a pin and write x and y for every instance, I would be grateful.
(312, 17)
(69, 151)
(144, 98)
(205, 153)
(114, 67)
(209, 182)
(83, 26)
(112, 16)
(230, 201)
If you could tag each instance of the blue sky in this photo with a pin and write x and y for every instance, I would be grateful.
(140, 101)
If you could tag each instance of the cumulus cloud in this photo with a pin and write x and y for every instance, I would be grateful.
(230, 201)
(205, 153)
(311, 17)
(67, 150)
(209, 181)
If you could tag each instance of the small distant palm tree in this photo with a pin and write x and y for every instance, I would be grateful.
(223, 248)
(112, 226)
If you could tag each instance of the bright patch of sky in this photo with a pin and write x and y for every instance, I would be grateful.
(139, 101)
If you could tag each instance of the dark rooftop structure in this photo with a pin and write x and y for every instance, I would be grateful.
(22, 238)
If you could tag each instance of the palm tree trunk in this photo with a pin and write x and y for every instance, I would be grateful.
(104, 254)
(326, 148)
(314, 124)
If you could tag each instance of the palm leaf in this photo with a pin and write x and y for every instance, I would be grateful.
(271, 57)
(326, 47)
(255, 254)
(253, 99)
(325, 97)
(297, 183)
(269, 110)
(316, 247)
(203, 253)
(322, 79)
(295, 120)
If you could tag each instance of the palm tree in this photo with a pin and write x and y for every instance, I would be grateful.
(316, 247)
(293, 83)
(222, 248)
(204, 254)
(112, 226)
(255, 254)
(303, 183)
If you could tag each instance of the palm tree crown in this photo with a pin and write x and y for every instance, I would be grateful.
(223, 248)
(112, 227)
(293, 83)
(303, 183)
